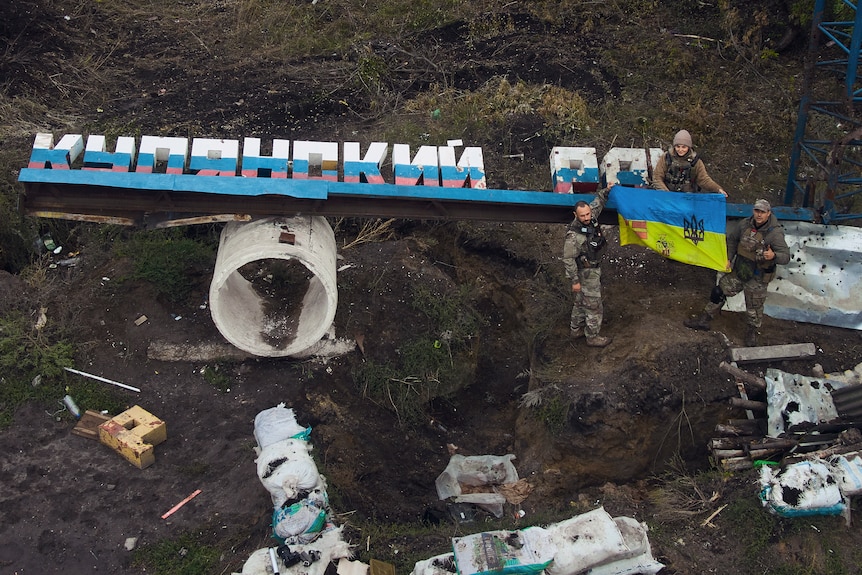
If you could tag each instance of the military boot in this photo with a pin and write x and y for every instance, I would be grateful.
(700, 322)
(751, 336)
(599, 341)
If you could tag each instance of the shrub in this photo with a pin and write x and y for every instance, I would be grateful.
(168, 260)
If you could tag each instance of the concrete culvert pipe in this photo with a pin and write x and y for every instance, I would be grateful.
(274, 292)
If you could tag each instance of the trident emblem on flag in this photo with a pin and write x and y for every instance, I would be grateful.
(693, 229)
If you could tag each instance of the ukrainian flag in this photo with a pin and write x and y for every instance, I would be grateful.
(688, 228)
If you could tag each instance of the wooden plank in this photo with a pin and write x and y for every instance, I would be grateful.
(88, 425)
(742, 393)
(772, 352)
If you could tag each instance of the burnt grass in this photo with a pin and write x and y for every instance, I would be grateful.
(625, 427)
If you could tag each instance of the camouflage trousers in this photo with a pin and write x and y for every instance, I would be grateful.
(755, 296)
(587, 310)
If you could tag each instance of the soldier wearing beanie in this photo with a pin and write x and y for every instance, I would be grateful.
(680, 169)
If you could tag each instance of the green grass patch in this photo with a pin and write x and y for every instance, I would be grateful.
(187, 554)
(32, 362)
(170, 260)
(548, 405)
(31, 366)
(217, 376)
(306, 29)
(435, 363)
(441, 112)
(752, 524)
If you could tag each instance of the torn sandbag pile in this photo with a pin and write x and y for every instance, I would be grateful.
(592, 542)
(486, 481)
(309, 540)
(287, 471)
(813, 486)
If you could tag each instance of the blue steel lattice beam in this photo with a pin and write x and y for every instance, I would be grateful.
(825, 169)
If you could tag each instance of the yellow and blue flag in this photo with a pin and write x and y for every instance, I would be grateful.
(685, 227)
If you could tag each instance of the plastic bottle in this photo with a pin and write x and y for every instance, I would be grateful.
(71, 406)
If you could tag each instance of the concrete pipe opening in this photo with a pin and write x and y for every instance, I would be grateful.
(274, 293)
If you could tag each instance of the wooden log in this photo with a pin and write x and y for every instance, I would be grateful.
(763, 453)
(754, 448)
(748, 404)
(731, 430)
(773, 443)
(758, 425)
(732, 442)
(728, 453)
(744, 376)
(736, 463)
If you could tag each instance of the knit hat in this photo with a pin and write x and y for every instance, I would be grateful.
(762, 205)
(682, 137)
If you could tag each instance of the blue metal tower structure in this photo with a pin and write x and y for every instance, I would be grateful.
(825, 170)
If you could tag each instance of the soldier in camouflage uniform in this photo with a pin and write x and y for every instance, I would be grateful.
(680, 169)
(582, 253)
(755, 246)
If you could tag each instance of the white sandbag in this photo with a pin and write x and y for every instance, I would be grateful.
(848, 469)
(589, 544)
(286, 470)
(525, 552)
(803, 488)
(585, 541)
(640, 565)
(439, 565)
(475, 470)
(303, 521)
(330, 545)
(641, 561)
(276, 424)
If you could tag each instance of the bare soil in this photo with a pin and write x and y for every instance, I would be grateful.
(70, 504)
(634, 412)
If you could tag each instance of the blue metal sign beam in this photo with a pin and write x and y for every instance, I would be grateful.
(146, 199)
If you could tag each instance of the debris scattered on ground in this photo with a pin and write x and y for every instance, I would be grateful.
(793, 417)
(593, 542)
(134, 434)
(88, 425)
(477, 480)
(308, 540)
(805, 438)
(177, 507)
(102, 379)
